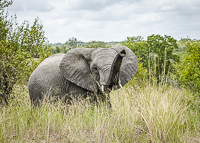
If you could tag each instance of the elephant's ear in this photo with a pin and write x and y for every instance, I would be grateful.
(75, 68)
(129, 65)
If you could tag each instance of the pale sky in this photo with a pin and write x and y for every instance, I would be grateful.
(111, 20)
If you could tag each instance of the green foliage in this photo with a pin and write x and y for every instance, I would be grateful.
(161, 55)
(4, 4)
(19, 48)
(73, 43)
(139, 47)
(57, 50)
(155, 54)
(190, 67)
(95, 44)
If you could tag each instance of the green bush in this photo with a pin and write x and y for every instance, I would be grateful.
(190, 67)
(22, 48)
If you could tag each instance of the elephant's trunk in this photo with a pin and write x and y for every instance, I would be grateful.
(115, 69)
(111, 74)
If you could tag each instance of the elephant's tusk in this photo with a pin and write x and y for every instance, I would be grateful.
(102, 88)
(120, 85)
(98, 84)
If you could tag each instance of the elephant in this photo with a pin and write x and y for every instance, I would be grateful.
(82, 72)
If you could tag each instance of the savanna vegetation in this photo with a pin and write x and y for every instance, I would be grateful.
(161, 103)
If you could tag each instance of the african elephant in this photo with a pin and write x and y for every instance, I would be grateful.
(82, 71)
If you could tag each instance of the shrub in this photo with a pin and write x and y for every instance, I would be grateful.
(20, 46)
(190, 67)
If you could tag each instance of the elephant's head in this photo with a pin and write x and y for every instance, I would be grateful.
(94, 69)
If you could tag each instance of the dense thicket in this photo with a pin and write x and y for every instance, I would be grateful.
(167, 61)
(189, 69)
(156, 54)
(20, 45)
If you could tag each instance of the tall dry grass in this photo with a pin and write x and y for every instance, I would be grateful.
(145, 115)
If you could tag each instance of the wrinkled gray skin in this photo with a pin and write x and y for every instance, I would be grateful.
(82, 71)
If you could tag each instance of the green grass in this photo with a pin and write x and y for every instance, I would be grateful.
(148, 115)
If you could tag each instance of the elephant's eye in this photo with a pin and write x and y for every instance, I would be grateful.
(95, 68)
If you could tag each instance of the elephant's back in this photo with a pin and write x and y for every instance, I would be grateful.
(53, 60)
(46, 75)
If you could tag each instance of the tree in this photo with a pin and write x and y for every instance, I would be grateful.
(139, 47)
(57, 50)
(73, 43)
(19, 46)
(4, 4)
(190, 67)
(95, 44)
(156, 55)
(161, 54)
